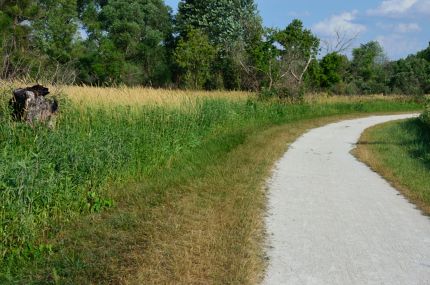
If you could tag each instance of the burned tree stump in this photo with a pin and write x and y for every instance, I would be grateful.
(30, 105)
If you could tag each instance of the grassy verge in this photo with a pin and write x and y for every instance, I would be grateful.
(400, 152)
(147, 194)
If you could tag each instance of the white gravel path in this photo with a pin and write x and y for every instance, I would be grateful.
(333, 221)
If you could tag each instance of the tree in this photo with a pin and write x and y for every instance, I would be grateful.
(56, 29)
(298, 48)
(425, 54)
(224, 21)
(280, 60)
(101, 65)
(333, 68)
(195, 56)
(260, 63)
(231, 25)
(340, 42)
(367, 68)
(366, 58)
(131, 35)
(15, 30)
(410, 76)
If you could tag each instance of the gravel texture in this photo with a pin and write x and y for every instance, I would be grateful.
(331, 220)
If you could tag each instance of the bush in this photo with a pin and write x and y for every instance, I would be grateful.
(425, 116)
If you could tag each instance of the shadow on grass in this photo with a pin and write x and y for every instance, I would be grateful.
(417, 145)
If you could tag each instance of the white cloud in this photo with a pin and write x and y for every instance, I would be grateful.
(343, 23)
(407, 27)
(397, 46)
(399, 8)
(393, 7)
(423, 7)
(400, 28)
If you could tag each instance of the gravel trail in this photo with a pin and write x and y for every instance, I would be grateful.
(331, 220)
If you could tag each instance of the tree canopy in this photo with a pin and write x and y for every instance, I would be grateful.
(211, 44)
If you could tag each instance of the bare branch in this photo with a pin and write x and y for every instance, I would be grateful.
(340, 42)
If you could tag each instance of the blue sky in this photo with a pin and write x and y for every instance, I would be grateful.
(400, 26)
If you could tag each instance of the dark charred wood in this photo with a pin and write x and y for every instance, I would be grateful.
(30, 105)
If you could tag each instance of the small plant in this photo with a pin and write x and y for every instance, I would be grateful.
(96, 204)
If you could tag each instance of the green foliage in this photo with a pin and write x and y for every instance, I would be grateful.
(410, 76)
(224, 21)
(367, 68)
(425, 54)
(195, 56)
(333, 69)
(425, 116)
(232, 26)
(12, 16)
(312, 77)
(56, 29)
(297, 41)
(261, 62)
(288, 54)
(127, 43)
(366, 59)
(15, 31)
(96, 204)
(137, 42)
(101, 65)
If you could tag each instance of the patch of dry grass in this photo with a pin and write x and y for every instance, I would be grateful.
(137, 96)
(325, 98)
(84, 95)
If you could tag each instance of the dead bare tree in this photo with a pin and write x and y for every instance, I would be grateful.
(284, 72)
(297, 67)
(340, 42)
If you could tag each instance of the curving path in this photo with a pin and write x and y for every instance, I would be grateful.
(333, 221)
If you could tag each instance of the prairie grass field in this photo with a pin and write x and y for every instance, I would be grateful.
(127, 171)
(409, 169)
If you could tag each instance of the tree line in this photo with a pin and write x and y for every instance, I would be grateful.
(208, 44)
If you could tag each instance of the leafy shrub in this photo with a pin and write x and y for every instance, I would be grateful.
(425, 116)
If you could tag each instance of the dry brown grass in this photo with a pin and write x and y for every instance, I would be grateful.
(215, 233)
(136, 96)
(84, 95)
(325, 98)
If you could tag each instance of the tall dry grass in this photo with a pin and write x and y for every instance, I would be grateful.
(139, 96)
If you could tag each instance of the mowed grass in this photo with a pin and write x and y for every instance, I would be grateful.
(148, 192)
(400, 151)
